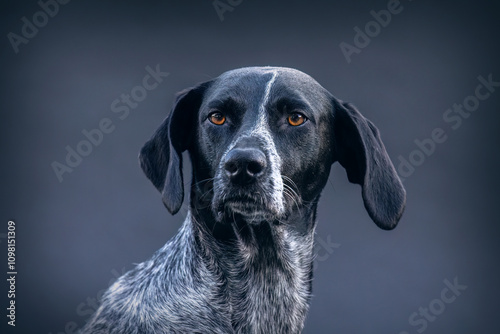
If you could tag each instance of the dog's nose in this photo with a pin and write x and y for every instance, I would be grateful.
(245, 165)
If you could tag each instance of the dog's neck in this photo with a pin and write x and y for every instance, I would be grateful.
(254, 259)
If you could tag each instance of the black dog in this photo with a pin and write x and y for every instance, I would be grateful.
(261, 142)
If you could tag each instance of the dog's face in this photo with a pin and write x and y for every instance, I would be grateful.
(262, 141)
(265, 141)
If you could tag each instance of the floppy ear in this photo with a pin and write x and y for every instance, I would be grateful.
(161, 157)
(360, 151)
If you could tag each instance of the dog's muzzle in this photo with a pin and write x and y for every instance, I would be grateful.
(246, 185)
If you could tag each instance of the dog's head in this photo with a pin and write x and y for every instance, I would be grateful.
(262, 141)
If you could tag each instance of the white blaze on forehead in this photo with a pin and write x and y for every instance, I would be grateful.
(265, 99)
(261, 127)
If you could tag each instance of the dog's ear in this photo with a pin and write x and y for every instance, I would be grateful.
(161, 157)
(360, 151)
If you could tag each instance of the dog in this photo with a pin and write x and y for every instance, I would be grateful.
(261, 141)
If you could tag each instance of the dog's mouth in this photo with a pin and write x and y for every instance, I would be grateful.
(251, 208)
(243, 205)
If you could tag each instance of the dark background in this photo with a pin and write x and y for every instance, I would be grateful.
(75, 236)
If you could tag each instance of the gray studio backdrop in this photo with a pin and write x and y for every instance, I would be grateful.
(74, 78)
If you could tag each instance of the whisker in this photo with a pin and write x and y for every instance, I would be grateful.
(289, 189)
(286, 192)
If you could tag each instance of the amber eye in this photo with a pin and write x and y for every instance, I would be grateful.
(217, 118)
(296, 119)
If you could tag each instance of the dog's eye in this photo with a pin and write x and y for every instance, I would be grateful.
(296, 119)
(217, 118)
